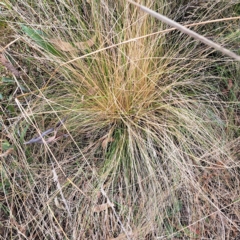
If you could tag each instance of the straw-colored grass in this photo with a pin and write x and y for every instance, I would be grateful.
(146, 145)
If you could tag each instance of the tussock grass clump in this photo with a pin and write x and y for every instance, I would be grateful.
(145, 148)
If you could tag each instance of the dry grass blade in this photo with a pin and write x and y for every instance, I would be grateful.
(129, 41)
(205, 217)
(187, 31)
(67, 47)
(111, 205)
(152, 118)
(55, 179)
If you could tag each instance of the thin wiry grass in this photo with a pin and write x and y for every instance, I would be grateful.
(187, 31)
(149, 137)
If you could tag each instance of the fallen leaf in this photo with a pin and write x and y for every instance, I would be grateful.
(20, 227)
(5, 154)
(230, 84)
(93, 91)
(123, 236)
(194, 229)
(103, 207)
(57, 203)
(68, 47)
(55, 137)
(86, 44)
(229, 87)
(63, 46)
(106, 141)
(8, 65)
(237, 120)
(51, 139)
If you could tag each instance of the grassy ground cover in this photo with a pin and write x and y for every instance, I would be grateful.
(116, 126)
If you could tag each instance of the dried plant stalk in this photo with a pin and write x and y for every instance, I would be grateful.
(187, 31)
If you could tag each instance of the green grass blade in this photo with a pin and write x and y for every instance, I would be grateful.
(39, 37)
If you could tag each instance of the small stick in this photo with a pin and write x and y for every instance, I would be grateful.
(39, 139)
(187, 31)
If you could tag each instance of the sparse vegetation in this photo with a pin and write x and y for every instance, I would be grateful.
(116, 126)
